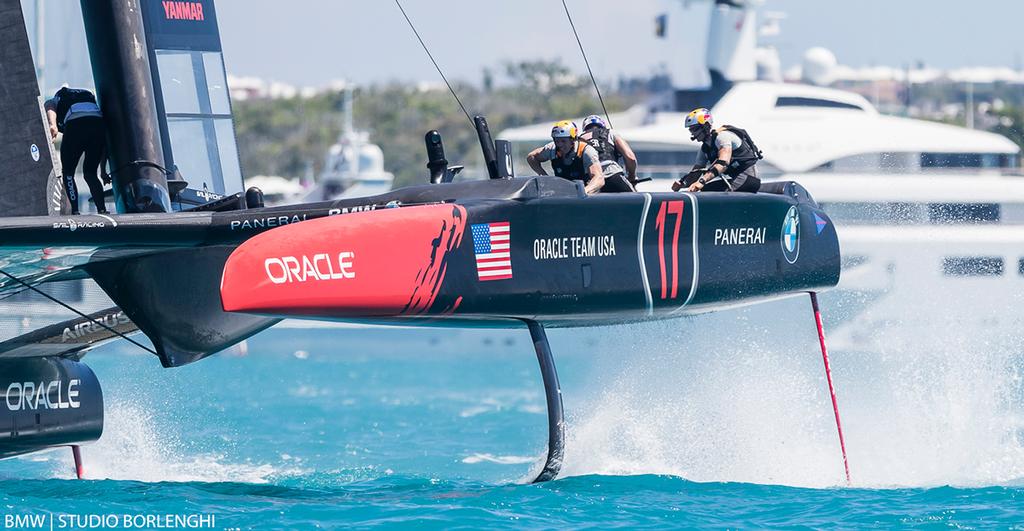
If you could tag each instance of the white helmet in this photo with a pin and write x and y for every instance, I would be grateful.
(594, 119)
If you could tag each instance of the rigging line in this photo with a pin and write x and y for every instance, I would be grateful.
(62, 303)
(425, 49)
(592, 79)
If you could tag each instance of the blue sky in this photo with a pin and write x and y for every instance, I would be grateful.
(308, 42)
(368, 39)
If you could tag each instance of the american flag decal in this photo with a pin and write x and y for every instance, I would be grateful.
(491, 247)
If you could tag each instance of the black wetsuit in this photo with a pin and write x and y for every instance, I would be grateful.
(86, 136)
(607, 152)
(742, 169)
(79, 119)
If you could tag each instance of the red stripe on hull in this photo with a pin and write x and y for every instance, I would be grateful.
(367, 264)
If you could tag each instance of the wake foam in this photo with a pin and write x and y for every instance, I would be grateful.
(134, 448)
(499, 459)
(717, 398)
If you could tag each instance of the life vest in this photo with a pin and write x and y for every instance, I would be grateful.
(66, 97)
(605, 149)
(743, 157)
(572, 170)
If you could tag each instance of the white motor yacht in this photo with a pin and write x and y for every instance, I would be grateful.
(353, 167)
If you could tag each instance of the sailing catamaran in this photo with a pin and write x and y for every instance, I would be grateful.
(198, 274)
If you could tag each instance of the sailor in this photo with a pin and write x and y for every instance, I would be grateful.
(729, 150)
(570, 158)
(611, 148)
(75, 113)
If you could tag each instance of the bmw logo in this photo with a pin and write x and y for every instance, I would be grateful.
(34, 150)
(791, 235)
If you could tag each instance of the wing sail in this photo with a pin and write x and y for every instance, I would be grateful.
(31, 186)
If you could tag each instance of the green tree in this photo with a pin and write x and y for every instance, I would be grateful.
(1011, 124)
(286, 136)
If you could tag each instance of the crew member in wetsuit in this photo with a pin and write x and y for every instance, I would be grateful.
(610, 149)
(729, 150)
(75, 113)
(570, 158)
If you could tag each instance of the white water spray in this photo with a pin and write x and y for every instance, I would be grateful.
(725, 398)
(134, 448)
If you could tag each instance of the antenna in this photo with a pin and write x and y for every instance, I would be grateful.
(347, 129)
(592, 79)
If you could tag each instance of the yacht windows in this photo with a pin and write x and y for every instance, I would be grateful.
(963, 212)
(801, 101)
(910, 162)
(972, 266)
(905, 213)
(967, 160)
(873, 162)
(876, 213)
(1020, 266)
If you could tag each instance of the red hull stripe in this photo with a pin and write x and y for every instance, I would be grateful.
(366, 264)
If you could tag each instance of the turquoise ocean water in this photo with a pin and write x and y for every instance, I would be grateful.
(722, 421)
